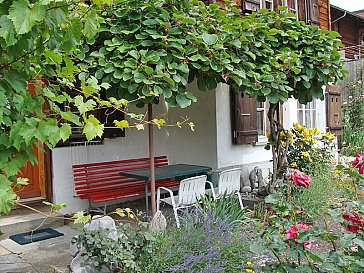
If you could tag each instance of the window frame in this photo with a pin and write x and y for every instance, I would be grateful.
(263, 4)
(311, 109)
(263, 110)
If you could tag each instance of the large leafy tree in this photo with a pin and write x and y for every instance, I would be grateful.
(137, 52)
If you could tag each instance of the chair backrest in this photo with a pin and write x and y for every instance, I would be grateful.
(191, 189)
(229, 181)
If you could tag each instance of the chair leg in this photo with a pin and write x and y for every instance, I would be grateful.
(240, 200)
(158, 198)
(176, 216)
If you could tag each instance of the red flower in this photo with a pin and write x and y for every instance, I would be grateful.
(293, 233)
(359, 163)
(354, 221)
(300, 179)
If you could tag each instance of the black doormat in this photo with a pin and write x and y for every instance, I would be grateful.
(35, 236)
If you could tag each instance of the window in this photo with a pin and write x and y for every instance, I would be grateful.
(306, 114)
(105, 116)
(292, 6)
(267, 4)
(261, 121)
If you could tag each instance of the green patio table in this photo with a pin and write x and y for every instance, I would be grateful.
(169, 171)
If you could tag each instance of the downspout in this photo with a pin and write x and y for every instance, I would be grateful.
(338, 18)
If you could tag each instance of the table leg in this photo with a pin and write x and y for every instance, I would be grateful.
(146, 198)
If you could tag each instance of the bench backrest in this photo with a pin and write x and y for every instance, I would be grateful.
(92, 178)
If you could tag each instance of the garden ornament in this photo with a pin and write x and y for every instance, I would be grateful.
(158, 223)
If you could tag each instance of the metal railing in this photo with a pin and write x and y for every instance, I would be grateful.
(353, 52)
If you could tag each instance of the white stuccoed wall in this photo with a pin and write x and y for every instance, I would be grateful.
(210, 144)
(181, 145)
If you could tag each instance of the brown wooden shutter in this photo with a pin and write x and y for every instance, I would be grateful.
(244, 118)
(313, 13)
(249, 6)
(333, 109)
(302, 11)
(276, 4)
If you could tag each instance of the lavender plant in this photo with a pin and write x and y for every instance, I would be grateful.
(202, 245)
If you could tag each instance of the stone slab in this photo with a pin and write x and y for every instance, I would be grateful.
(4, 251)
(12, 263)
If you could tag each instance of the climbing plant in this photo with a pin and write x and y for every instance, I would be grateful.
(123, 52)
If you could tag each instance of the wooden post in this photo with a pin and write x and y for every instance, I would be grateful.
(151, 156)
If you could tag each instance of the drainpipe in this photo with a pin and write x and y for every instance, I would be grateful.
(338, 18)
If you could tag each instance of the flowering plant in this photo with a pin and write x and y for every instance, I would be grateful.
(300, 179)
(309, 147)
(294, 231)
(359, 163)
(353, 221)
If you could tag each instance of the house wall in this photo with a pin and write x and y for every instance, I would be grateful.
(228, 154)
(324, 10)
(181, 145)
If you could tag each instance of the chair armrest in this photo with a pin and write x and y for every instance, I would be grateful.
(212, 189)
(159, 196)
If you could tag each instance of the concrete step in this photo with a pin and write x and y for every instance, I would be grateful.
(25, 220)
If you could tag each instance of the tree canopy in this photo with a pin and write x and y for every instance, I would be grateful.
(122, 52)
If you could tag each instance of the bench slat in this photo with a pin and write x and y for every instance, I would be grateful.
(101, 182)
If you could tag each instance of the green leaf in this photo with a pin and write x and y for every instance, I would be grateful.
(182, 101)
(189, 20)
(209, 39)
(7, 31)
(272, 199)
(84, 107)
(91, 24)
(93, 128)
(121, 124)
(65, 131)
(81, 218)
(25, 17)
(69, 116)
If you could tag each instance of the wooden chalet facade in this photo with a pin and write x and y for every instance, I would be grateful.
(350, 25)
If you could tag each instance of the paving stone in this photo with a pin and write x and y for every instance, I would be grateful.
(12, 263)
(4, 251)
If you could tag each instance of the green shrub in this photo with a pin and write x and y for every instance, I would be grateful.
(126, 254)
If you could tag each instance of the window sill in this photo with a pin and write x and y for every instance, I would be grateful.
(262, 141)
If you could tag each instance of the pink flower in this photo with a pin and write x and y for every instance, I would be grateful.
(300, 179)
(359, 163)
(293, 233)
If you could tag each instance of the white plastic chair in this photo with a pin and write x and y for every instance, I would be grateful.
(190, 190)
(229, 183)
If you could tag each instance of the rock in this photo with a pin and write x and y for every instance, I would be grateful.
(158, 223)
(106, 222)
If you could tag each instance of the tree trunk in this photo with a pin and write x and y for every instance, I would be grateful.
(277, 136)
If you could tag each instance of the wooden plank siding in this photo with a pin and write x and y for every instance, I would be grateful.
(324, 14)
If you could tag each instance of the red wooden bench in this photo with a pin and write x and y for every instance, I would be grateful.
(101, 182)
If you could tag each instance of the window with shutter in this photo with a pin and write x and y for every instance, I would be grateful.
(244, 118)
(249, 6)
(333, 109)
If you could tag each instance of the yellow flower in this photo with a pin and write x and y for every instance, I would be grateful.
(328, 136)
(315, 131)
(294, 165)
(249, 270)
(305, 154)
(249, 263)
